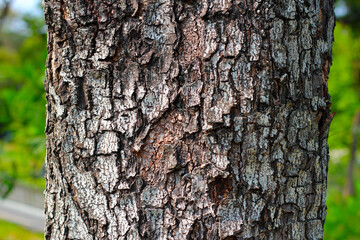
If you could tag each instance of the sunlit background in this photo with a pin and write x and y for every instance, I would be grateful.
(22, 114)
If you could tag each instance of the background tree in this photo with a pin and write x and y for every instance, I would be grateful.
(187, 119)
(350, 13)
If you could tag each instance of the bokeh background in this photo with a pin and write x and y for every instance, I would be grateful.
(22, 113)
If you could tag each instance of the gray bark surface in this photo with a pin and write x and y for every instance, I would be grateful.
(187, 119)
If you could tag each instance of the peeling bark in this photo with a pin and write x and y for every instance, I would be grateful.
(187, 119)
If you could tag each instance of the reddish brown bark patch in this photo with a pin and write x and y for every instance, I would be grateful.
(220, 189)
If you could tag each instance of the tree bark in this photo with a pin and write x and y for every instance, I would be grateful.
(187, 119)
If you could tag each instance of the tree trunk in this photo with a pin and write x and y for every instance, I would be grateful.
(187, 119)
(349, 189)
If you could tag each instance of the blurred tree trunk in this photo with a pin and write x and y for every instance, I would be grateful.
(4, 12)
(349, 188)
(187, 119)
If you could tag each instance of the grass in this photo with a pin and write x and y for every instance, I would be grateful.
(10, 231)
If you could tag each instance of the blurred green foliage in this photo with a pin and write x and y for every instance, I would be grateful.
(22, 106)
(343, 215)
(344, 86)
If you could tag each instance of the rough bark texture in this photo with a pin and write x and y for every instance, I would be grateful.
(187, 119)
